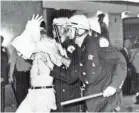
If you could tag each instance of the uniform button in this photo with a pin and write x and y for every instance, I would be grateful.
(63, 67)
(63, 90)
(81, 64)
(93, 64)
(84, 73)
(93, 73)
(75, 70)
(90, 57)
(86, 82)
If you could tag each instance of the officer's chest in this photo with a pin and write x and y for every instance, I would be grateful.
(90, 54)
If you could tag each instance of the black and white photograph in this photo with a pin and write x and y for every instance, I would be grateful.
(69, 56)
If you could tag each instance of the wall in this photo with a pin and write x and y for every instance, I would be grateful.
(15, 14)
(116, 29)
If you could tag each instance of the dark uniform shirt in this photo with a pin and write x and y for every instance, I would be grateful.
(100, 68)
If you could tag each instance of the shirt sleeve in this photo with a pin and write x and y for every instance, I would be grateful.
(24, 45)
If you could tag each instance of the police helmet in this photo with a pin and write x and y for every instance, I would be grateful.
(94, 24)
(79, 22)
(60, 21)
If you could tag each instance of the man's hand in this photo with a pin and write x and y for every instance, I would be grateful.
(47, 61)
(109, 91)
(33, 27)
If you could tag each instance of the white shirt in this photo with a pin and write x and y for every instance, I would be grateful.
(40, 72)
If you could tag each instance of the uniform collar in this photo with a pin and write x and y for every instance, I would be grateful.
(85, 42)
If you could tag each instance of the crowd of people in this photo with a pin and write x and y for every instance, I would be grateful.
(77, 61)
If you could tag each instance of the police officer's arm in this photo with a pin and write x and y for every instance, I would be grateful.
(65, 61)
(67, 75)
(120, 72)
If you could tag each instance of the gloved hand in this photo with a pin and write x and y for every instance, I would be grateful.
(103, 42)
(109, 91)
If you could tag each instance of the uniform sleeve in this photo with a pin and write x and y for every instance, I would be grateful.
(120, 72)
(67, 75)
(24, 45)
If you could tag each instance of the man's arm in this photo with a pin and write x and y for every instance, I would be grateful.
(64, 60)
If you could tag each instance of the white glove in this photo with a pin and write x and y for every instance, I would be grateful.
(103, 42)
(109, 91)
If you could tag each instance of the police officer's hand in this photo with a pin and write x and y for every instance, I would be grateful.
(11, 79)
(1, 79)
(62, 51)
(109, 91)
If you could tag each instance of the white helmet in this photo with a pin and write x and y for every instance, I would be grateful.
(79, 21)
(60, 21)
(94, 24)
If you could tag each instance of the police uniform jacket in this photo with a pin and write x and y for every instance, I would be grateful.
(67, 85)
(100, 68)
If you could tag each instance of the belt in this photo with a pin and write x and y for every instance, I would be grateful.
(42, 87)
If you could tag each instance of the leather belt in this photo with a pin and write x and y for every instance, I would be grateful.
(42, 87)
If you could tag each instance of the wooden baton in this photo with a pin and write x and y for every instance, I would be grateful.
(81, 99)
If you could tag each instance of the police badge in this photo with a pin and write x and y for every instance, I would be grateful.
(90, 57)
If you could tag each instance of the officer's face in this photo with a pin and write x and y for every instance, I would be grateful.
(63, 33)
(71, 32)
(80, 32)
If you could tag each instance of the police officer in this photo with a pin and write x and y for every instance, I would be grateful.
(102, 67)
(66, 81)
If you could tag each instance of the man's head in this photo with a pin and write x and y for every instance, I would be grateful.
(127, 44)
(79, 26)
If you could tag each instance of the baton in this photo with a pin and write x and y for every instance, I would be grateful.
(81, 99)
